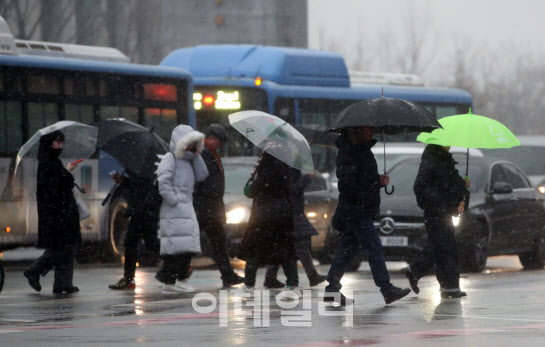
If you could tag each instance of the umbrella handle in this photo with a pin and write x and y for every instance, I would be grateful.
(389, 192)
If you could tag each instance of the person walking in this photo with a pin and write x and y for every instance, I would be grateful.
(58, 217)
(143, 210)
(209, 206)
(303, 232)
(442, 194)
(359, 202)
(269, 238)
(178, 227)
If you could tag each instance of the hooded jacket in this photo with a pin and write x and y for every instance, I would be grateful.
(58, 216)
(359, 183)
(177, 173)
(438, 187)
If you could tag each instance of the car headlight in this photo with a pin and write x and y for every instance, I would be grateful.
(237, 215)
(541, 189)
(455, 220)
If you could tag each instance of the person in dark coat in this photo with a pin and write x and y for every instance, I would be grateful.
(442, 194)
(144, 202)
(209, 206)
(303, 231)
(58, 217)
(359, 202)
(269, 238)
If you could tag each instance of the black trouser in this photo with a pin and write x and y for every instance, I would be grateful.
(441, 251)
(216, 235)
(302, 245)
(60, 259)
(289, 267)
(141, 226)
(174, 267)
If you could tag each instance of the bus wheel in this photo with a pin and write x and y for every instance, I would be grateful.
(118, 224)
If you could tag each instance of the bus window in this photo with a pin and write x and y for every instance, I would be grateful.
(68, 84)
(313, 111)
(11, 126)
(79, 113)
(444, 111)
(163, 121)
(1, 82)
(13, 83)
(160, 92)
(285, 109)
(41, 115)
(129, 113)
(42, 84)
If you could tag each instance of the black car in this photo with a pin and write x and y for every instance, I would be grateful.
(319, 206)
(506, 215)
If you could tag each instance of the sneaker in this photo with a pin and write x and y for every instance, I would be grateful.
(184, 287)
(413, 281)
(169, 289)
(395, 293)
(453, 295)
(123, 284)
(316, 279)
(33, 280)
(66, 290)
(233, 281)
(248, 289)
(333, 297)
(294, 291)
(273, 284)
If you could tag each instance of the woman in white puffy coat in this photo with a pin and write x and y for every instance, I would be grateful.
(178, 227)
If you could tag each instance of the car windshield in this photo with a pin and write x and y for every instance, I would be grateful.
(528, 158)
(236, 176)
(403, 175)
(392, 159)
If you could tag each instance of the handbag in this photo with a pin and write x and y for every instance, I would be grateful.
(82, 208)
(247, 190)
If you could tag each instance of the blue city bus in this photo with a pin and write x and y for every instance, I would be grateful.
(302, 86)
(36, 91)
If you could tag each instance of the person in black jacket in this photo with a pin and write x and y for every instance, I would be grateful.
(268, 238)
(359, 202)
(303, 231)
(58, 217)
(144, 202)
(209, 206)
(442, 194)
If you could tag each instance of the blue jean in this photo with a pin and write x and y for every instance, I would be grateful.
(358, 233)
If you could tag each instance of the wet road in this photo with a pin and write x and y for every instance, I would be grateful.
(505, 307)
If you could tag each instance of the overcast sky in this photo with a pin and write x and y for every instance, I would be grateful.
(482, 21)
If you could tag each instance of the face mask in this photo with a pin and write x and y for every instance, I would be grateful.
(56, 151)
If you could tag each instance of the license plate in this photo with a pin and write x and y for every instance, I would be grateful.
(394, 241)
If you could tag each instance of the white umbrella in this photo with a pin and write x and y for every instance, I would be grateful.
(79, 141)
(274, 136)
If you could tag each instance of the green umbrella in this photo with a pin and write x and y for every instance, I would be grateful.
(470, 131)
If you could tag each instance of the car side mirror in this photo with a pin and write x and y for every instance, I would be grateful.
(501, 188)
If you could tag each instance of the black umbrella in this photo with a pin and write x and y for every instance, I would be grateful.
(316, 134)
(388, 116)
(133, 145)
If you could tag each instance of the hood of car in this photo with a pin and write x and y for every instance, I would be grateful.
(399, 205)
